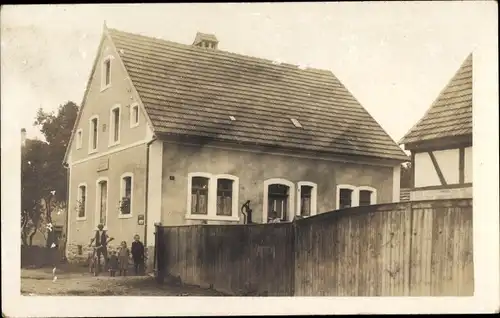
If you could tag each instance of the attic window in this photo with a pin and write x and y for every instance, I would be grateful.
(232, 118)
(296, 123)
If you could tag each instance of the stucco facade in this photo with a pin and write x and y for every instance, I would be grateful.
(253, 168)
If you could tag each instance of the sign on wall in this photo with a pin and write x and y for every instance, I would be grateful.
(103, 165)
(140, 219)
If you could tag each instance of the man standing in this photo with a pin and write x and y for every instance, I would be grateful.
(52, 244)
(101, 239)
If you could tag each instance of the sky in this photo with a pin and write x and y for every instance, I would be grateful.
(394, 57)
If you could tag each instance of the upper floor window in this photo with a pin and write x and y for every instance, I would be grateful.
(134, 115)
(115, 126)
(94, 133)
(79, 137)
(126, 195)
(212, 197)
(106, 73)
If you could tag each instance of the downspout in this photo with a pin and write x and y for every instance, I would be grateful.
(147, 192)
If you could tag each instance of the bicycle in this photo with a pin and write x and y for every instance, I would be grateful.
(96, 262)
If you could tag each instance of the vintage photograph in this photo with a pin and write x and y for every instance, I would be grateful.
(278, 152)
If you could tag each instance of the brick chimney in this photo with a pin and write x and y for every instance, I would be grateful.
(23, 136)
(206, 40)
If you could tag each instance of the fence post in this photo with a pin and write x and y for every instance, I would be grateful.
(159, 252)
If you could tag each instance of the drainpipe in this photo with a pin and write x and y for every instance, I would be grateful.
(147, 192)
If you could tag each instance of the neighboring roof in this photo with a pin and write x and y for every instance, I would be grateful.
(190, 91)
(451, 113)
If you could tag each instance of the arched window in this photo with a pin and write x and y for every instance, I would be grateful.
(126, 195)
(347, 196)
(81, 204)
(278, 197)
(306, 198)
(367, 195)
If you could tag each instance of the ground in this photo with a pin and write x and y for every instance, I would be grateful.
(78, 282)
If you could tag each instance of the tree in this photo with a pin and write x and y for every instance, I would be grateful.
(43, 177)
(406, 175)
(56, 129)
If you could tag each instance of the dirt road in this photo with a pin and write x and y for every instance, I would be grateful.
(39, 282)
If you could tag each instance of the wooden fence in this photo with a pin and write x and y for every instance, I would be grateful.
(404, 249)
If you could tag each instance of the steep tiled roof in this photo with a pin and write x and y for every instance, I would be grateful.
(192, 91)
(451, 113)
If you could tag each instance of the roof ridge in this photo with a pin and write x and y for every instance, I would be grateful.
(224, 52)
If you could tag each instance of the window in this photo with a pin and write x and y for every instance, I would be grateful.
(345, 198)
(278, 200)
(134, 116)
(126, 197)
(94, 134)
(278, 197)
(212, 197)
(199, 195)
(115, 126)
(367, 195)
(350, 196)
(102, 201)
(106, 73)
(224, 197)
(306, 200)
(81, 206)
(79, 139)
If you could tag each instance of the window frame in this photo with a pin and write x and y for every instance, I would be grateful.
(122, 194)
(314, 197)
(106, 59)
(111, 134)
(79, 138)
(291, 198)
(132, 119)
(97, 201)
(212, 197)
(91, 134)
(373, 195)
(354, 196)
(82, 184)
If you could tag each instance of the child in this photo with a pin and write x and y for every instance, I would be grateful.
(91, 260)
(123, 257)
(113, 264)
(137, 254)
(274, 218)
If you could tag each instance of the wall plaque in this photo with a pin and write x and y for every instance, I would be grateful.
(140, 219)
(103, 165)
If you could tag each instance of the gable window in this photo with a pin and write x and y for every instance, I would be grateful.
(224, 197)
(106, 73)
(94, 134)
(212, 197)
(199, 195)
(296, 123)
(279, 198)
(367, 195)
(82, 202)
(102, 201)
(134, 116)
(79, 139)
(126, 197)
(115, 126)
(306, 200)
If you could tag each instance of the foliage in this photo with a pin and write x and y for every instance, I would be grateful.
(406, 175)
(125, 205)
(43, 177)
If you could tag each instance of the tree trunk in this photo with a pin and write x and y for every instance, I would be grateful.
(31, 237)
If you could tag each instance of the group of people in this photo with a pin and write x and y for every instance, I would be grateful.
(118, 261)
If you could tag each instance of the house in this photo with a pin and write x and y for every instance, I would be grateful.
(441, 142)
(190, 134)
